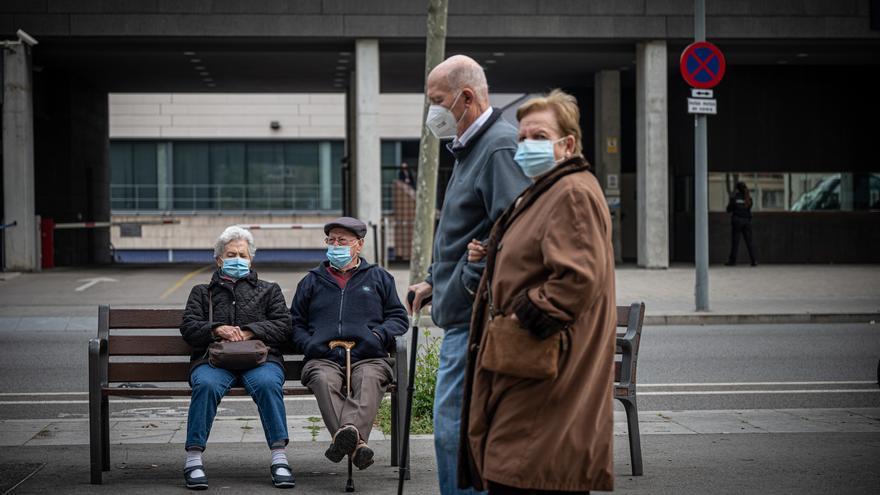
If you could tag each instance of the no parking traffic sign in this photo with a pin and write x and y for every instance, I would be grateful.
(702, 65)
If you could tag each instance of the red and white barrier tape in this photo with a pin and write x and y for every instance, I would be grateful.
(282, 226)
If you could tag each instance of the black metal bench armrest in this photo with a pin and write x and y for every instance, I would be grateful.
(400, 362)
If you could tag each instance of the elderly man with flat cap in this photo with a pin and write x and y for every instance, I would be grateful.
(347, 298)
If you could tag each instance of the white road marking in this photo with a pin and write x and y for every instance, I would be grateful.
(138, 401)
(779, 392)
(92, 281)
(754, 384)
(37, 394)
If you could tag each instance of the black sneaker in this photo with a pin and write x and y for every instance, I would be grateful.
(363, 456)
(730, 263)
(344, 442)
(193, 483)
(282, 480)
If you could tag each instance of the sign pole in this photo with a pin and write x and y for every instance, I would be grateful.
(701, 181)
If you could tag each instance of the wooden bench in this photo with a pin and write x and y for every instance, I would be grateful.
(141, 367)
(626, 358)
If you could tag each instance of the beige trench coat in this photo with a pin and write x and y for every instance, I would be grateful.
(554, 268)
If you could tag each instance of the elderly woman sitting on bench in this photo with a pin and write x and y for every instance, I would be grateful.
(236, 306)
(347, 299)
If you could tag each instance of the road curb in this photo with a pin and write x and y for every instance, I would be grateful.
(757, 319)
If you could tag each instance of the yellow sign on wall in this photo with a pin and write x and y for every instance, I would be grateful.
(611, 145)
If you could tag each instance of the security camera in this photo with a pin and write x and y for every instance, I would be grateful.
(26, 38)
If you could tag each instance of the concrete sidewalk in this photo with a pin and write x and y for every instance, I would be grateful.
(695, 452)
(762, 294)
(248, 429)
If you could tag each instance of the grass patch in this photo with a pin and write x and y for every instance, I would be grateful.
(427, 364)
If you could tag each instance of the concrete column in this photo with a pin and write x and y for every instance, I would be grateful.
(368, 166)
(21, 244)
(607, 116)
(652, 155)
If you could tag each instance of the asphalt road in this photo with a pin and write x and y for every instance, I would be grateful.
(43, 374)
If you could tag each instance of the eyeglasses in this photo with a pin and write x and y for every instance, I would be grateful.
(339, 241)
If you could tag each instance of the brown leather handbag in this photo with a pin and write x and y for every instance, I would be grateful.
(235, 356)
(512, 350)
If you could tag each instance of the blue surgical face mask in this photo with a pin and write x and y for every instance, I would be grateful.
(535, 156)
(236, 267)
(339, 256)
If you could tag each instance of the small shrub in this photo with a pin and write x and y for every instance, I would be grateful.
(427, 364)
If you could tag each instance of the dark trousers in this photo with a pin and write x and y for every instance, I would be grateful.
(499, 489)
(740, 226)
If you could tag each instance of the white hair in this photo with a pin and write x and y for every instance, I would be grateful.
(465, 72)
(234, 233)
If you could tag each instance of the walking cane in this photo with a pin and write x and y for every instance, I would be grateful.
(349, 485)
(407, 422)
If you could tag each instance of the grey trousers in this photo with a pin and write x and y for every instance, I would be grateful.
(369, 379)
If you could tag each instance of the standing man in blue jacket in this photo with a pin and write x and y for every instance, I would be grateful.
(485, 181)
(346, 298)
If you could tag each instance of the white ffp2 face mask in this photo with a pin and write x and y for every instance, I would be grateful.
(441, 122)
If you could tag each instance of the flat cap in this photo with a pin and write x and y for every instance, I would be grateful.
(353, 224)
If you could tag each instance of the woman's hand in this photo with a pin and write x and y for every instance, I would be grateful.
(476, 251)
(229, 333)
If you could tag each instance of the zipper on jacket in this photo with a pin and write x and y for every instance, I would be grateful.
(341, 301)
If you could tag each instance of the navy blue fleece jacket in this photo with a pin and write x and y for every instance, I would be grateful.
(367, 312)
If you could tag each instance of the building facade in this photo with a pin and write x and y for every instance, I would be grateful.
(195, 87)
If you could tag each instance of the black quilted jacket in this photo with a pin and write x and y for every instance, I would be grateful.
(249, 303)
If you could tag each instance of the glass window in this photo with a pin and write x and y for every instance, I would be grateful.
(394, 155)
(220, 175)
(799, 191)
(133, 175)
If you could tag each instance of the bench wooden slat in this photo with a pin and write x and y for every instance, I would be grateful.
(186, 391)
(174, 372)
(148, 345)
(145, 318)
(148, 372)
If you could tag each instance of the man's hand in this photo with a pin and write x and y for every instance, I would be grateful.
(422, 290)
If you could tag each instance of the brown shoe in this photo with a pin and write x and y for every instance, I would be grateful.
(345, 440)
(363, 456)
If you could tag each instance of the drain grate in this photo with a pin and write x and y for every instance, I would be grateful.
(13, 474)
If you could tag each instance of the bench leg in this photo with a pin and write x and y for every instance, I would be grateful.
(96, 441)
(635, 443)
(105, 433)
(395, 432)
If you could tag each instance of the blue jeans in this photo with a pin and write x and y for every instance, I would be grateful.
(209, 384)
(448, 396)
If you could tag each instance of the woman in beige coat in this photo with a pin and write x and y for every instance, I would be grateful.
(538, 413)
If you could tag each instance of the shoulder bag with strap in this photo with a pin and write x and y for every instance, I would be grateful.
(235, 356)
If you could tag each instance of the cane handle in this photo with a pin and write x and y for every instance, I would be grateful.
(347, 344)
